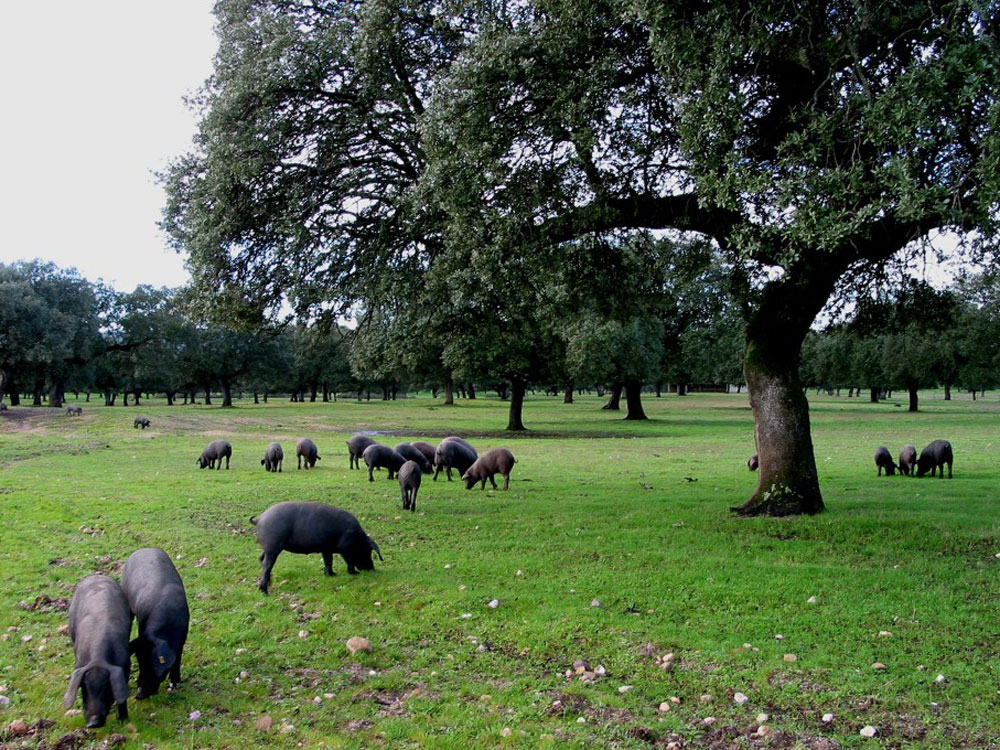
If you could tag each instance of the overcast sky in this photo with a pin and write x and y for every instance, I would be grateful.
(92, 106)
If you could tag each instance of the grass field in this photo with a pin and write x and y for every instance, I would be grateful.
(598, 509)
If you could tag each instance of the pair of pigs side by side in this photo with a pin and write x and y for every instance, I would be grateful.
(932, 459)
(496, 461)
(453, 453)
(307, 528)
(382, 457)
(214, 453)
(100, 623)
(417, 453)
(356, 449)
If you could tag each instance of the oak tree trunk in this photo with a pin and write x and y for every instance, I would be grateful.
(449, 394)
(568, 394)
(912, 390)
(633, 400)
(614, 403)
(514, 421)
(227, 393)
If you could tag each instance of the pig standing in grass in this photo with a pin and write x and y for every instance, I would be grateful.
(307, 449)
(75, 411)
(907, 460)
(356, 448)
(215, 452)
(142, 422)
(453, 453)
(883, 460)
(409, 483)
(100, 623)
(382, 457)
(273, 457)
(307, 528)
(426, 448)
(496, 461)
(156, 596)
(934, 457)
(411, 453)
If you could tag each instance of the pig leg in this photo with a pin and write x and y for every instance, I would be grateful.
(406, 498)
(227, 463)
(493, 481)
(392, 474)
(506, 481)
(437, 470)
(371, 477)
(122, 711)
(175, 671)
(328, 563)
(267, 562)
(413, 500)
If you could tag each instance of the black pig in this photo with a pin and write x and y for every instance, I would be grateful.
(496, 461)
(453, 453)
(273, 457)
(883, 460)
(307, 449)
(907, 459)
(215, 451)
(412, 453)
(307, 528)
(409, 483)
(356, 448)
(934, 457)
(382, 456)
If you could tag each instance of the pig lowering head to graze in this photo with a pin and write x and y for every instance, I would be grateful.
(356, 448)
(453, 453)
(308, 528)
(273, 456)
(382, 457)
(142, 422)
(907, 460)
(496, 461)
(156, 596)
(411, 453)
(100, 623)
(214, 453)
(883, 460)
(306, 449)
(426, 448)
(409, 483)
(753, 462)
(934, 457)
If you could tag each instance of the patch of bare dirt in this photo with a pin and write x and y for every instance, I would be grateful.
(44, 603)
(390, 702)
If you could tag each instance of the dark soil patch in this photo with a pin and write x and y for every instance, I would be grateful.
(45, 603)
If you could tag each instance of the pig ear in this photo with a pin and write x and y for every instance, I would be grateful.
(74, 684)
(374, 545)
(119, 685)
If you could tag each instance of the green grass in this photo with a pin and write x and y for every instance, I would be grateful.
(598, 508)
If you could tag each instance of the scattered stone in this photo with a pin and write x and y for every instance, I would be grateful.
(357, 643)
(705, 698)
(244, 675)
(581, 720)
(580, 666)
(779, 637)
(519, 573)
(462, 587)
(763, 730)
(378, 604)
(327, 696)
(64, 630)
(317, 700)
(18, 728)
(264, 723)
(25, 638)
(827, 718)
(811, 600)
(664, 707)
(466, 615)
(940, 678)
(505, 732)
(675, 700)
(761, 718)
(596, 603)
(885, 633)
(303, 634)
(747, 646)
(624, 689)
(240, 651)
(600, 671)
(740, 698)
(448, 566)
(115, 739)
(708, 721)
(791, 657)
(494, 603)
(868, 731)
(878, 665)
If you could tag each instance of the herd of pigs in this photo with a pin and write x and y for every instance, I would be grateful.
(151, 590)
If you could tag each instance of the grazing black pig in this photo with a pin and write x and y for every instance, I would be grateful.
(156, 595)
(356, 448)
(411, 453)
(307, 528)
(934, 457)
(907, 459)
(100, 623)
(496, 461)
(273, 457)
(453, 453)
(307, 449)
(215, 451)
(382, 457)
(409, 483)
(426, 448)
(142, 422)
(753, 462)
(883, 460)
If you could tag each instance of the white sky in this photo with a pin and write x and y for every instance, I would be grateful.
(91, 107)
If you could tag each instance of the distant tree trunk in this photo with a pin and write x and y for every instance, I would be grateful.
(502, 391)
(514, 421)
(449, 394)
(599, 390)
(874, 394)
(682, 389)
(633, 400)
(472, 390)
(395, 391)
(568, 394)
(313, 388)
(56, 393)
(125, 397)
(255, 399)
(136, 394)
(434, 391)
(659, 389)
(208, 395)
(614, 403)
(973, 394)
(947, 391)
(170, 398)
(227, 393)
(37, 396)
(911, 387)
(265, 396)
(12, 390)
(326, 393)
(88, 397)
(368, 395)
